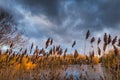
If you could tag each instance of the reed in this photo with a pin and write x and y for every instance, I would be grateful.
(86, 38)
(27, 64)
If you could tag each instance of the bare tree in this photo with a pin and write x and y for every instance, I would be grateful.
(8, 29)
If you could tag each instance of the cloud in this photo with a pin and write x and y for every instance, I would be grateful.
(101, 14)
(48, 8)
(65, 20)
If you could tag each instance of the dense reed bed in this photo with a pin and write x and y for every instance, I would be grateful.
(39, 64)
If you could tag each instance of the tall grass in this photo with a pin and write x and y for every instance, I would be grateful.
(39, 64)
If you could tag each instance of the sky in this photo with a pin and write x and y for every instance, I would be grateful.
(64, 20)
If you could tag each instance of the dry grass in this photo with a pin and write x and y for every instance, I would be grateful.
(20, 65)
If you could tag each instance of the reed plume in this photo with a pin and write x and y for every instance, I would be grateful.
(47, 42)
(11, 45)
(64, 55)
(57, 48)
(87, 35)
(99, 40)
(105, 41)
(51, 41)
(99, 51)
(20, 49)
(54, 49)
(92, 40)
(109, 39)
(76, 53)
(115, 50)
(73, 44)
(31, 47)
(25, 52)
(104, 47)
(105, 38)
(41, 51)
(118, 43)
(65, 50)
(50, 51)
(114, 40)
(60, 51)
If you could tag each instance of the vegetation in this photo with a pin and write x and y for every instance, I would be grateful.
(8, 29)
(38, 64)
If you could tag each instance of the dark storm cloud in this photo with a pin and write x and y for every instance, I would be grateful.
(95, 14)
(99, 14)
(110, 13)
(65, 20)
(50, 8)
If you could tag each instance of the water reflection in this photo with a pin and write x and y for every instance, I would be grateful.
(86, 71)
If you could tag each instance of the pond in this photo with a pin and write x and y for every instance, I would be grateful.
(84, 72)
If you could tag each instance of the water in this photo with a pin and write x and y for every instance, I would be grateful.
(86, 71)
(78, 72)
